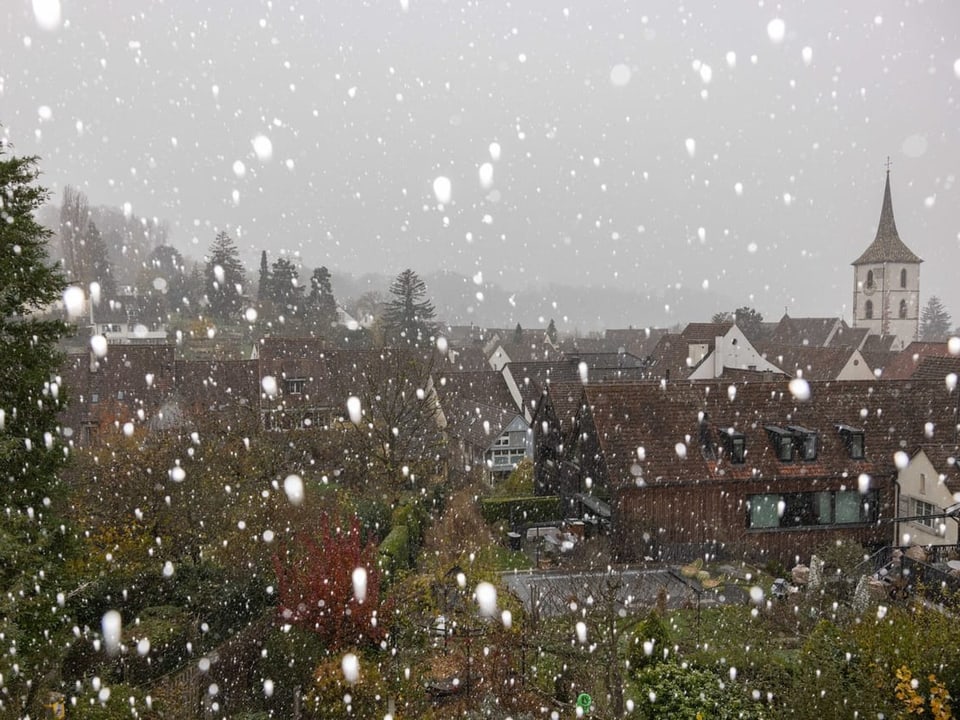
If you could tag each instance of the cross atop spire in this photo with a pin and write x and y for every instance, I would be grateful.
(888, 164)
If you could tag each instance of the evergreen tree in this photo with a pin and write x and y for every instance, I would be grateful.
(31, 538)
(99, 267)
(934, 321)
(518, 334)
(321, 302)
(285, 291)
(552, 332)
(224, 278)
(408, 318)
(263, 288)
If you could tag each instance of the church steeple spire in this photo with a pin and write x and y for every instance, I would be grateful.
(887, 246)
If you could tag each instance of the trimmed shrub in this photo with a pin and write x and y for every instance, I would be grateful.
(521, 510)
(394, 552)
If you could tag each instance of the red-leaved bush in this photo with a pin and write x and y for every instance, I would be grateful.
(316, 589)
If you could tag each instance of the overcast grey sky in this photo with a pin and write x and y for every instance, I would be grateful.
(737, 148)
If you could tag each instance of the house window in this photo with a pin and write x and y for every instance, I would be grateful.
(764, 511)
(923, 483)
(869, 283)
(853, 438)
(94, 397)
(812, 509)
(903, 309)
(868, 310)
(903, 278)
(295, 386)
(735, 444)
(88, 433)
(782, 442)
(807, 441)
(921, 509)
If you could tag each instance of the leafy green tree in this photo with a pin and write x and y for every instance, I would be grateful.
(32, 544)
(409, 317)
(934, 321)
(224, 278)
(321, 303)
(689, 693)
(162, 283)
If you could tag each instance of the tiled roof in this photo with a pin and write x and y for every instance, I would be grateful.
(705, 331)
(805, 332)
(812, 362)
(878, 343)
(850, 337)
(936, 369)
(905, 363)
(485, 386)
(636, 341)
(651, 433)
(476, 423)
(671, 357)
(887, 245)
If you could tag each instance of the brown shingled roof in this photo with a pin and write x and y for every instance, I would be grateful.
(652, 433)
(887, 245)
(906, 362)
(807, 332)
(812, 363)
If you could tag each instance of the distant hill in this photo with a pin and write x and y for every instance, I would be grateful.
(460, 300)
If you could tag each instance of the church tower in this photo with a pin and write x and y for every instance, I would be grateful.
(886, 282)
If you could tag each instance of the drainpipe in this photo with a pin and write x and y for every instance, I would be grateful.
(896, 509)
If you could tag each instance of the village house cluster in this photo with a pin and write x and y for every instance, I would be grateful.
(716, 440)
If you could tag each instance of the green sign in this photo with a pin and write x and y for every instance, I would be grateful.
(584, 701)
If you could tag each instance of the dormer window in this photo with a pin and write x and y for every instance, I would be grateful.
(734, 445)
(854, 440)
(295, 386)
(738, 448)
(782, 442)
(807, 441)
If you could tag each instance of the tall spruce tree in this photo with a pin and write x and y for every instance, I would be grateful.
(934, 321)
(321, 303)
(409, 317)
(32, 541)
(224, 278)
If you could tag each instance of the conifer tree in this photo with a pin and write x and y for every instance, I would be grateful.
(285, 291)
(321, 302)
(31, 538)
(224, 278)
(934, 321)
(409, 317)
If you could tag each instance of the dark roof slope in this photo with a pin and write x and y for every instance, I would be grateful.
(651, 433)
(887, 245)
